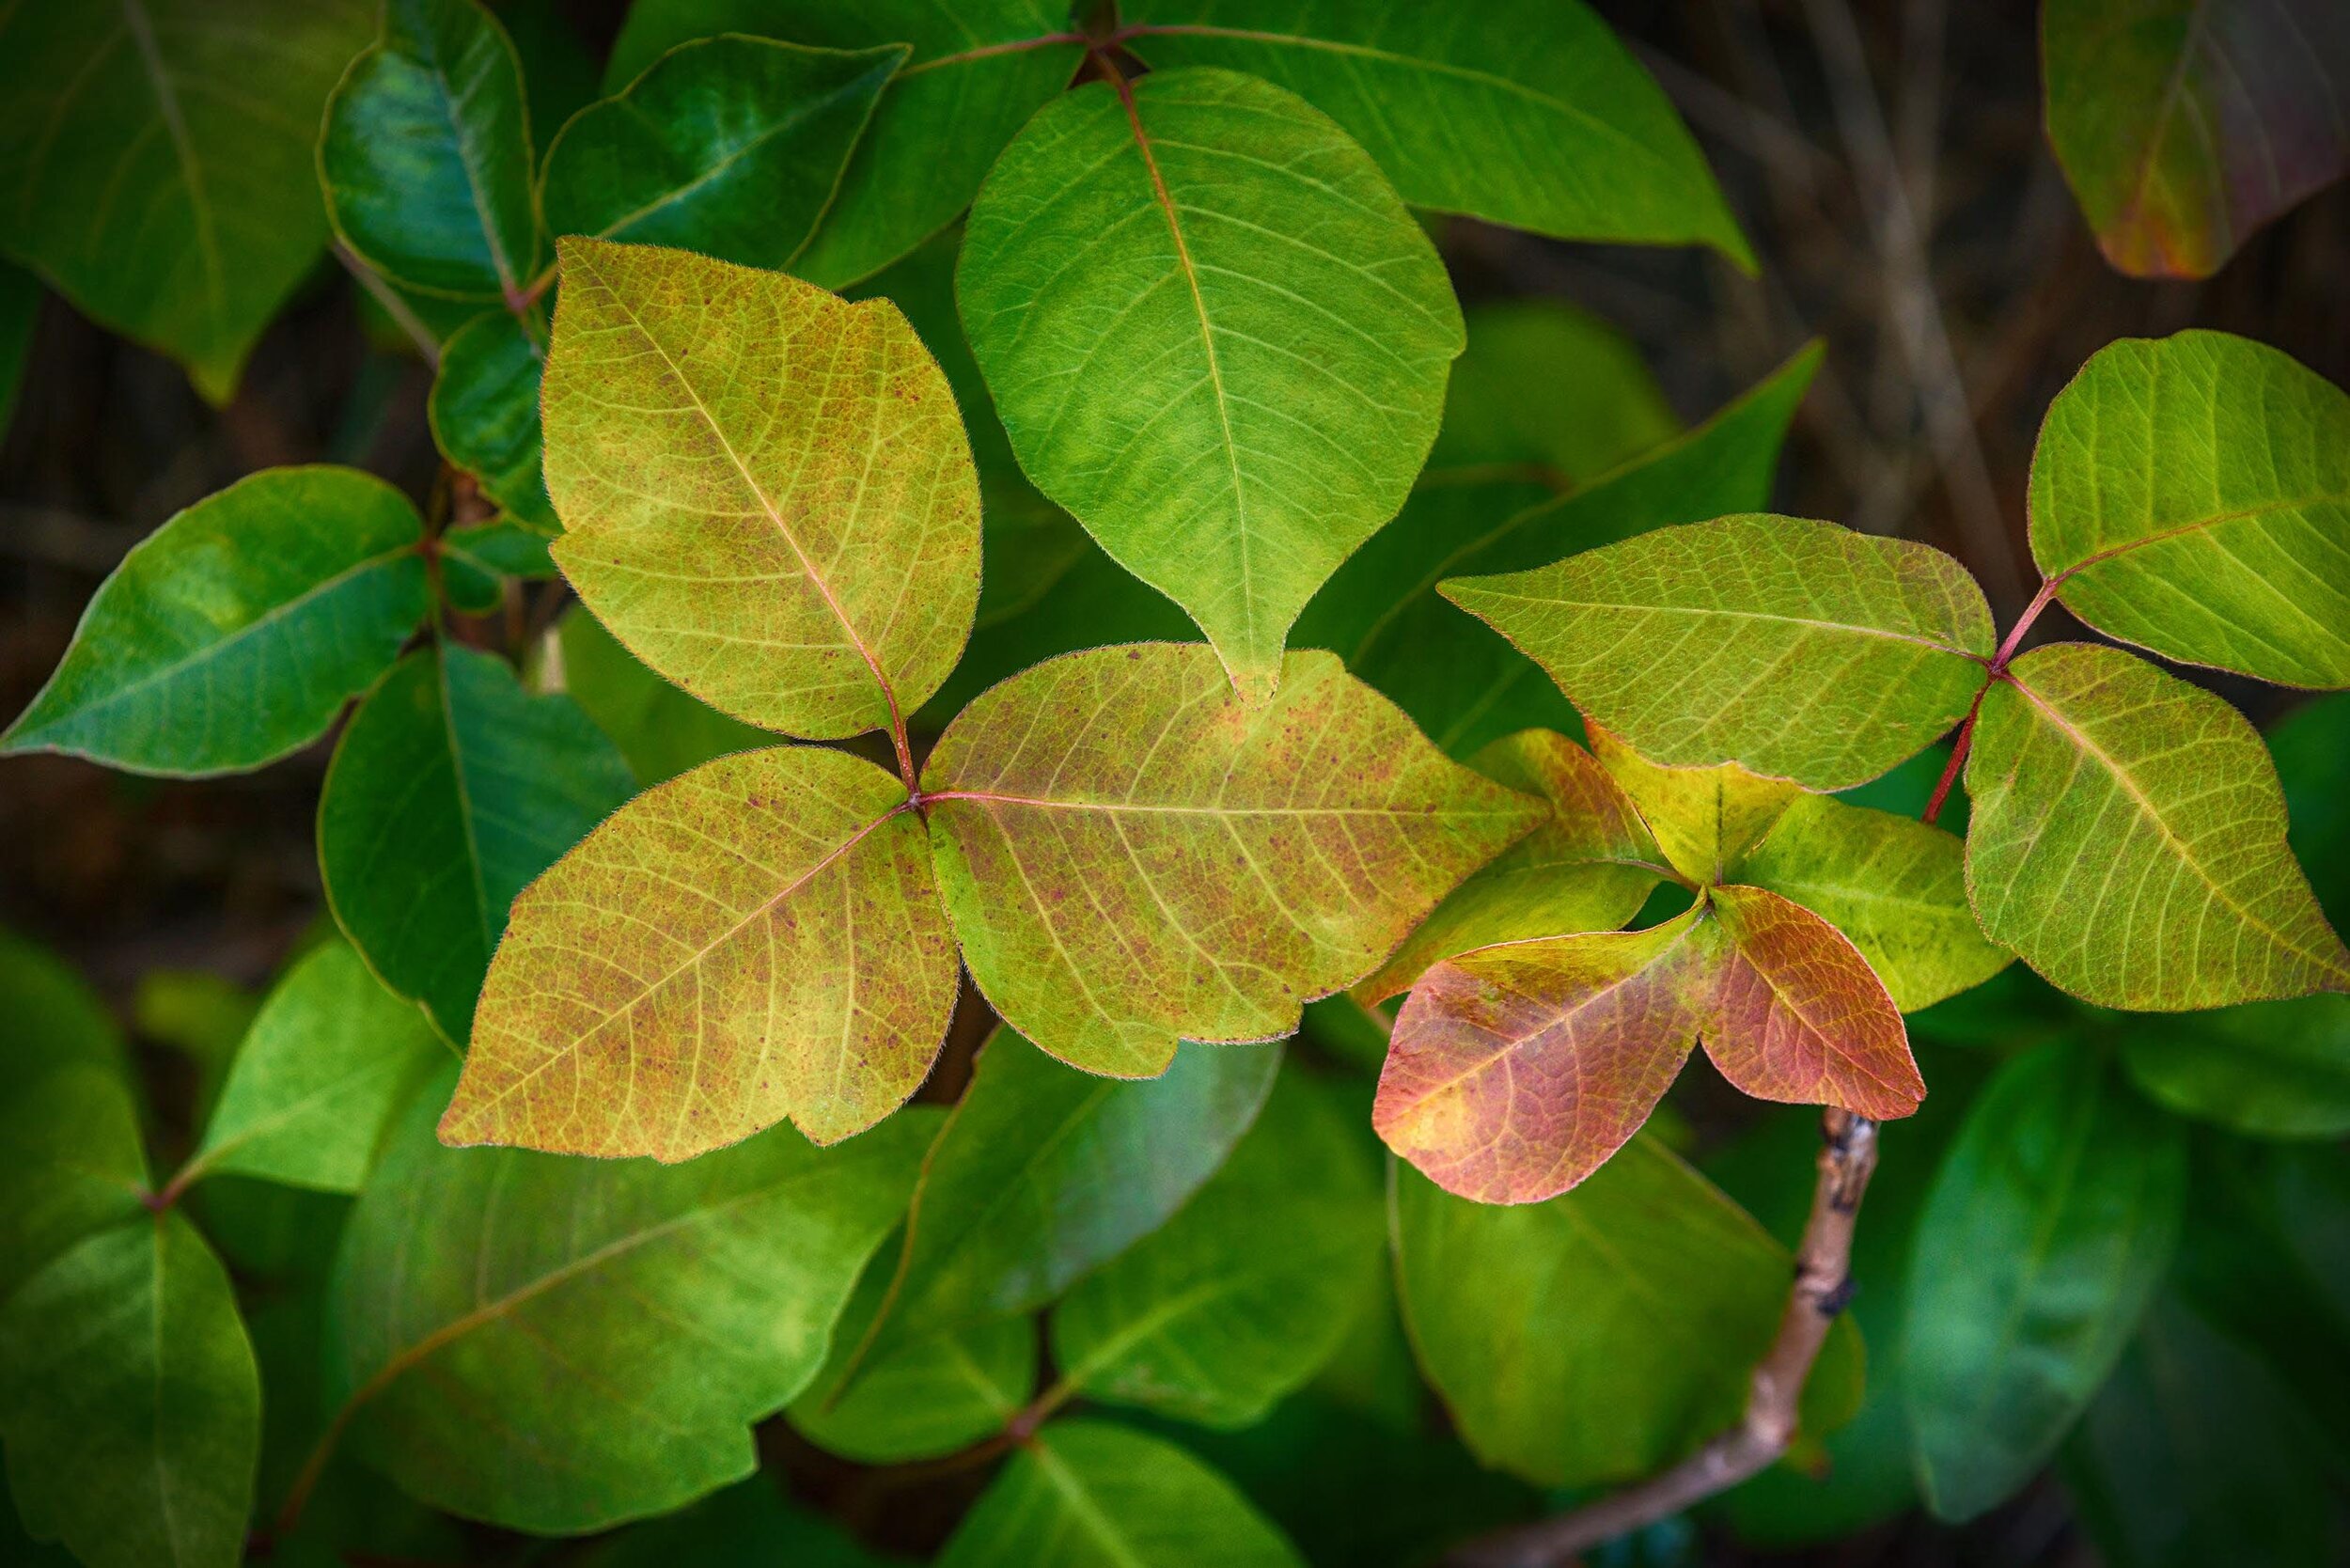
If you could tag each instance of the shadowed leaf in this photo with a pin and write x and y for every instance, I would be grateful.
(925, 1398)
(757, 939)
(1801, 649)
(2184, 125)
(2278, 1069)
(485, 411)
(661, 729)
(1507, 402)
(1281, 328)
(2128, 839)
(1132, 854)
(797, 547)
(2191, 494)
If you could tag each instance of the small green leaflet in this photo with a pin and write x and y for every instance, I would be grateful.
(928, 1397)
(485, 410)
(1282, 331)
(2191, 494)
(661, 729)
(236, 632)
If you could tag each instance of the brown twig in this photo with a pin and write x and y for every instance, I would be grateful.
(1823, 1285)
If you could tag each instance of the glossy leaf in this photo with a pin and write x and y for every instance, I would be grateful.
(451, 789)
(2049, 1225)
(2184, 125)
(928, 1397)
(1896, 887)
(1705, 820)
(1523, 113)
(1246, 1292)
(480, 560)
(2128, 839)
(329, 1058)
(2191, 493)
(571, 1343)
(2278, 1069)
(1042, 1173)
(1282, 331)
(761, 938)
(1090, 1494)
(732, 146)
(235, 633)
(129, 1399)
(800, 550)
(658, 728)
(425, 155)
(980, 69)
(1588, 867)
(1801, 649)
(1642, 1299)
(1457, 677)
(1515, 1071)
(195, 120)
(1131, 854)
(484, 410)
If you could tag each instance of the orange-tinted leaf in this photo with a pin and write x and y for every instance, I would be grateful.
(1704, 818)
(759, 938)
(1516, 1069)
(1796, 1012)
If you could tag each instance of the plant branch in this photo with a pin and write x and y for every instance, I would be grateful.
(1823, 1285)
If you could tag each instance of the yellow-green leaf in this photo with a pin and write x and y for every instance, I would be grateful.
(1704, 819)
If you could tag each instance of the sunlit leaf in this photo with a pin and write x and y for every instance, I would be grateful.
(2048, 1227)
(1895, 887)
(1281, 330)
(2191, 494)
(2184, 125)
(484, 410)
(425, 155)
(1604, 1334)
(731, 147)
(661, 729)
(451, 789)
(236, 632)
(193, 121)
(1132, 854)
(1238, 1299)
(1090, 1494)
(2128, 839)
(624, 1323)
(798, 549)
(1704, 819)
(1588, 867)
(129, 1399)
(757, 939)
(1801, 649)
(1525, 112)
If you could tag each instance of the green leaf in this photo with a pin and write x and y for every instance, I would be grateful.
(731, 147)
(2276, 1069)
(330, 1058)
(757, 939)
(747, 1523)
(2128, 839)
(1801, 649)
(1508, 404)
(1132, 854)
(798, 550)
(484, 410)
(1705, 819)
(1588, 867)
(1235, 1302)
(1894, 886)
(236, 632)
(2190, 494)
(129, 1399)
(2184, 125)
(57, 1018)
(1523, 113)
(927, 1398)
(2049, 1225)
(71, 1162)
(571, 1343)
(193, 119)
(1457, 678)
(1089, 1495)
(980, 69)
(1604, 1334)
(2194, 1453)
(1281, 332)
(661, 729)
(480, 560)
(426, 157)
(1043, 1172)
(2311, 749)
(451, 789)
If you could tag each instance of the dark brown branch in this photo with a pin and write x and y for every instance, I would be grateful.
(1823, 1285)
